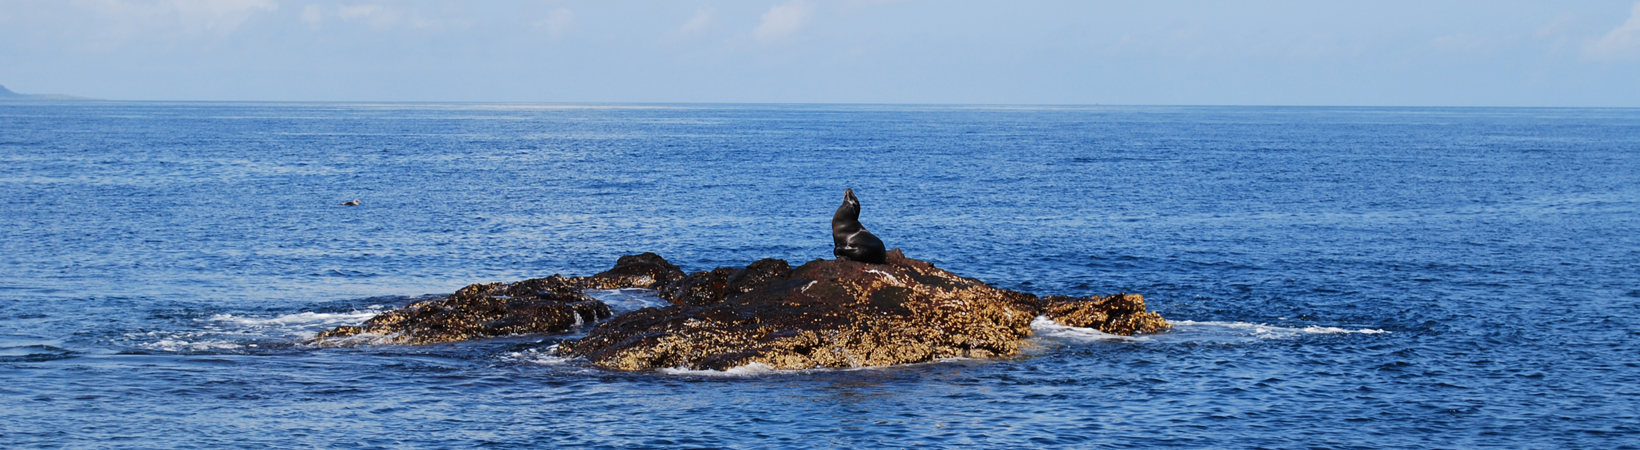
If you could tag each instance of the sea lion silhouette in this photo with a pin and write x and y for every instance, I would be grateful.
(851, 239)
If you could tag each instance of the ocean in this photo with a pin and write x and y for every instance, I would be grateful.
(1337, 277)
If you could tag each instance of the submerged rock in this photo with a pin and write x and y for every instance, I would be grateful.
(1122, 314)
(826, 313)
(541, 305)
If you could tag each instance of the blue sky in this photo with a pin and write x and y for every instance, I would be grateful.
(1405, 53)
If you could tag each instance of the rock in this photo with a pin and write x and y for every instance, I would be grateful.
(707, 288)
(541, 305)
(826, 313)
(647, 270)
(1122, 314)
(699, 288)
(757, 274)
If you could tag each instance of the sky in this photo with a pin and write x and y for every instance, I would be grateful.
(1342, 53)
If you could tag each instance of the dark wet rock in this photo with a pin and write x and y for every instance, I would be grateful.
(1122, 314)
(826, 313)
(699, 288)
(541, 305)
(757, 274)
(647, 270)
(711, 287)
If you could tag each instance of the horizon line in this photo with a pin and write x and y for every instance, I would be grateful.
(64, 98)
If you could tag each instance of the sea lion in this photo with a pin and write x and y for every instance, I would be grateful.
(851, 239)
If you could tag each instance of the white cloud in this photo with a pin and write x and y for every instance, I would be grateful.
(394, 15)
(870, 3)
(107, 25)
(1556, 28)
(699, 23)
(1462, 44)
(219, 17)
(311, 15)
(360, 11)
(1621, 43)
(377, 16)
(782, 21)
(558, 23)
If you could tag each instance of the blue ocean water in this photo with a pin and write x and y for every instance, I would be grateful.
(1339, 277)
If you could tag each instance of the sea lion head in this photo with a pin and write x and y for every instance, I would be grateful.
(850, 209)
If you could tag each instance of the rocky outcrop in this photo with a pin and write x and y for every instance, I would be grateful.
(541, 305)
(826, 313)
(1122, 314)
(647, 270)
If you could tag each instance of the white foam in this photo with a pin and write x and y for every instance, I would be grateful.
(181, 341)
(1327, 330)
(627, 299)
(1263, 331)
(354, 340)
(178, 345)
(303, 327)
(1188, 331)
(749, 370)
(304, 318)
(236, 332)
(546, 356)
(1044, 327)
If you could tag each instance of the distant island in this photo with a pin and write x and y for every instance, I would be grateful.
(7, 94)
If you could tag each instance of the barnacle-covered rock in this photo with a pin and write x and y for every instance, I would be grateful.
(1122, 314)
(541, 305)
(646, 270)
(826, 313)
